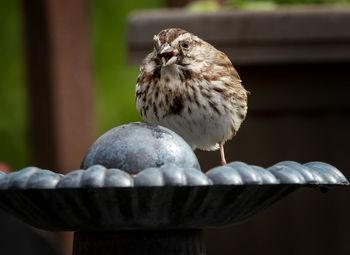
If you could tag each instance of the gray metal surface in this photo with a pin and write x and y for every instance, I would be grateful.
(138, 145)
(166, 197)
(235, 173)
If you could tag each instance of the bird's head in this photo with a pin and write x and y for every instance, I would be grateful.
(175, 46)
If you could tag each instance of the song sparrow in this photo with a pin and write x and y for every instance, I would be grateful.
(190, 87)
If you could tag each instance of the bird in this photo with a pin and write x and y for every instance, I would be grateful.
(188, 86)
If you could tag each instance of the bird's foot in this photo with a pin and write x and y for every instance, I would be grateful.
(222, 154)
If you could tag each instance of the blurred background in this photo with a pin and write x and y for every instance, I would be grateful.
(68, 71)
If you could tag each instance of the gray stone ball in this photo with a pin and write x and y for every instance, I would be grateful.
(136, 146)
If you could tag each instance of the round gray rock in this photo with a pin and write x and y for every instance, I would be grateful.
(136, 146)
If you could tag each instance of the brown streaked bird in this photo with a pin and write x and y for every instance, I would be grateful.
(190, 87)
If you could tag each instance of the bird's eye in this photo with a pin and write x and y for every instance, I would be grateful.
(185, 44)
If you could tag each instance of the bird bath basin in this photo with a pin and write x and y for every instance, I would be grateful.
(159, 210)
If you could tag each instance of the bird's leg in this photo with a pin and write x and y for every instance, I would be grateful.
(222, 154)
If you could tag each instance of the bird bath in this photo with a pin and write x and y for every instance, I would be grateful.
(160, 210)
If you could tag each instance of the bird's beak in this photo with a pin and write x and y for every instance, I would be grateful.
(168, 54)
(165, 48)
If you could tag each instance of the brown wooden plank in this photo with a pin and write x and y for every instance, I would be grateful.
(252, 37)
(59, 86)
(59, 82)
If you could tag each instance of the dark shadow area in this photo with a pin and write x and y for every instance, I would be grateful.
(18, 238)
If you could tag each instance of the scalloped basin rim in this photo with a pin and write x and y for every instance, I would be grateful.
(235, 173)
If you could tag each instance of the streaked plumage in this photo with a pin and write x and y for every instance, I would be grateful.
(188, 86)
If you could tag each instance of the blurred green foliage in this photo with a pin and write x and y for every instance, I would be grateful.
(203, 6)
(311, 1)
(271, 4)
(13, 110)
(114, 80)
